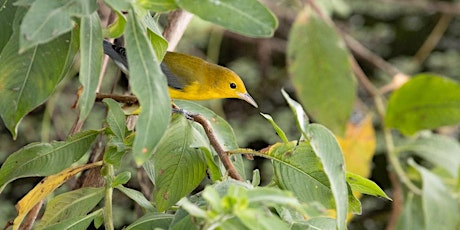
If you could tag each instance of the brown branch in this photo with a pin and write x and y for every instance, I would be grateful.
(178, 21)
(128, 99)
(232, 172)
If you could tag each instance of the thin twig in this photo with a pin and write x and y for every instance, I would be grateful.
(369, 56)
(128, 99)
(433, 39)
(232, 172)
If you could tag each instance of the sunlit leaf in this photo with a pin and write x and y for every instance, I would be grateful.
(427, 101)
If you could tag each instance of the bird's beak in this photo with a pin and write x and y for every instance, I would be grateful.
(248, 99)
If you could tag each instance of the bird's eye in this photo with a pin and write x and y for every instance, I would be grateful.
(233, 85)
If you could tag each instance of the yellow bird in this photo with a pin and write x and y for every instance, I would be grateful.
(191, 78)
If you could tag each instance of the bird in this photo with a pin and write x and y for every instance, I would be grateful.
(189, 77)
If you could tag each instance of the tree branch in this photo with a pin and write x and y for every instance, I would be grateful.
(232, 172)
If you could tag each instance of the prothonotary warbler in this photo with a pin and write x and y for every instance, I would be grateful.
(191, 78)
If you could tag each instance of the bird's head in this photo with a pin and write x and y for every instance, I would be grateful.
(230, 85)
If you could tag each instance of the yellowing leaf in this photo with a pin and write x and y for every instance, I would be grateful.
(45, 187)
(358, 146)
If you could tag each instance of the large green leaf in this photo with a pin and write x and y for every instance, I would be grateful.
(91, 61)
(27, 79)
(75, 203)
(179, 164)
(440, 150)
(48, 19)
(440, 207)
(427, 101)
(43, 159)
(150, 87)
(247, 17)
(318, 63)
(7, 12)
(297, 162)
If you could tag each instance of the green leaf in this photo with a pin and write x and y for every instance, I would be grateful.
(91, 61)
(7, 12)
(113, 155)
(426, 101)
(440, 207)
(297, 162)
(179, 167)
(117, 28)
(158, 5)
(137, 196)
(77, 222)
(411, 217)
(121, 178)
(328, 150)
(278, 130)
(152, 221)
(48, 19)
(43, 159)
(29, 78)
(159, 43)
(314, 223)
(75, 203)
(247, 17)
(255, 219)
(318, 63)
(302, 119)
(439, 150)
(150, 87)
(116, 118)
(365, 186)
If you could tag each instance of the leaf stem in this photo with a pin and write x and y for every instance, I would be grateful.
(108, 213)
